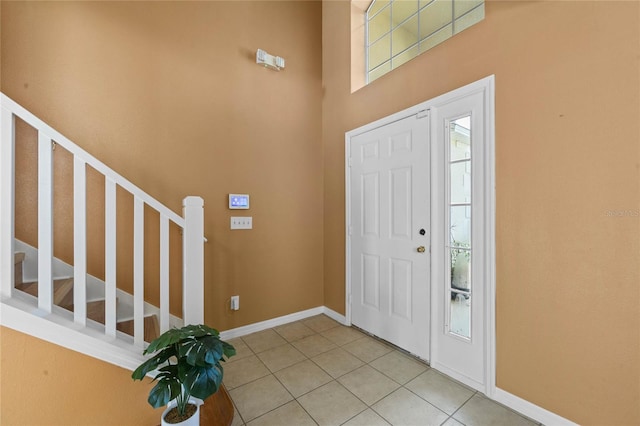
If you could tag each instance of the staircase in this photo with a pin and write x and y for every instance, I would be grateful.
(62, 303)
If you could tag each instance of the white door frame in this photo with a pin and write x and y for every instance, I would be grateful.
(486, 85)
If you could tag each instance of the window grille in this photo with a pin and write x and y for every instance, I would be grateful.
(399, 30)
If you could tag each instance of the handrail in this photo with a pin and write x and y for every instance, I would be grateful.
(17, 109)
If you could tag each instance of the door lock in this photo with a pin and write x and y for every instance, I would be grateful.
(421, 249)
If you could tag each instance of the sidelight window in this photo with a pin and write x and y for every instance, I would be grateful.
(460, 223)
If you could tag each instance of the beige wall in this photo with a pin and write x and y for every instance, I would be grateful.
(567, 152)
(169, 95)
(45, 384)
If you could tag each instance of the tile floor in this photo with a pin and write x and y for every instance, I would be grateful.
(318, 372)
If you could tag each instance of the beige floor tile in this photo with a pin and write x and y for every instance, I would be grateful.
(342, 335)
(399, 367)
(367, 418)
(281, 357)
(263, 340)
(242, 350)
(294, 331)
(320, 323)
(302, 378)
(289, 414)
(440, 391)
(244, 371)
(331, 404)
(314, 345)
(404, 408)
(482, 411)
(337, 362)
(368, 384)
(367, 349)
(237, 419)
(452, 422)
(259, 397)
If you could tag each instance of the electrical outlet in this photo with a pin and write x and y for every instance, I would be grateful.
(235, 303)
(241, 222)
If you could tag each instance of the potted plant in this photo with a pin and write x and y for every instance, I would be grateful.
(188, 366)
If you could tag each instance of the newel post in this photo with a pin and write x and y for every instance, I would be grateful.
(193, 261)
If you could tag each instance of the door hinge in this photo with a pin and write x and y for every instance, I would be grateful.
(350, 162)
(422, 114)
(350, 230)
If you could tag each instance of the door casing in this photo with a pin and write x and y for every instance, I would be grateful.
(487, 86)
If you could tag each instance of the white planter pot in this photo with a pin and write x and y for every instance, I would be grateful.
(191, 421)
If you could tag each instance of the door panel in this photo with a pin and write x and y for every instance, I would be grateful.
(389, 205)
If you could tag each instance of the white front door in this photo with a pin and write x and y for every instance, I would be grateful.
(389, 232)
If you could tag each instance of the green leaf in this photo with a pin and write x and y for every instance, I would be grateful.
(153, 363)
(203, 381)
(229, 350)
(166, 339)
(205, 351)
(164, 391)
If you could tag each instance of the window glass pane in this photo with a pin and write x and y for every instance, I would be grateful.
(405, 56)
(460, 311)
(460, 233)
(423, 3)
(405, 36)
(460, 7)
(379, 25)
(473, 17)
(377, 5)
(436, 39)
(402, 9)
(380, 52)
(435, 16)
(460, 139)
(380, 71)
(461, 182)
(461, 269)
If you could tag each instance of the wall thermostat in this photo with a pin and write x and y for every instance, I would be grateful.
(239, 201)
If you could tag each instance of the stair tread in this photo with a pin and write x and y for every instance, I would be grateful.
(63, 297)
(151, 327)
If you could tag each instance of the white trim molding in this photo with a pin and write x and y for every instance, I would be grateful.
(286, 319)
(529, 409)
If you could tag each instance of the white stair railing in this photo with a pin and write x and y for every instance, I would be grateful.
(191, 223)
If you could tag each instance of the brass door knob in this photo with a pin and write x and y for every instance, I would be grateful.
(421, 249)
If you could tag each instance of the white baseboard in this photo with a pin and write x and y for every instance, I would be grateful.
(286, 319)
(274, 322)
(530, 410)
(334, 315)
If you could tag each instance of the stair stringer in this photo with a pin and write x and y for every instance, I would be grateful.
(95, 286)
(25, 317)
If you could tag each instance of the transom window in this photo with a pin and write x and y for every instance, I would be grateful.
(399, 30)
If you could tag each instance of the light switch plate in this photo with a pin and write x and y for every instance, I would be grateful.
(241, 222)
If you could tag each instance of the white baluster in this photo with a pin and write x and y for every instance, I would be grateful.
(193, 261)
(110, 257)
(79, 241)
(7, 197)
(45, 222)
(164, 273)
(138, 272)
